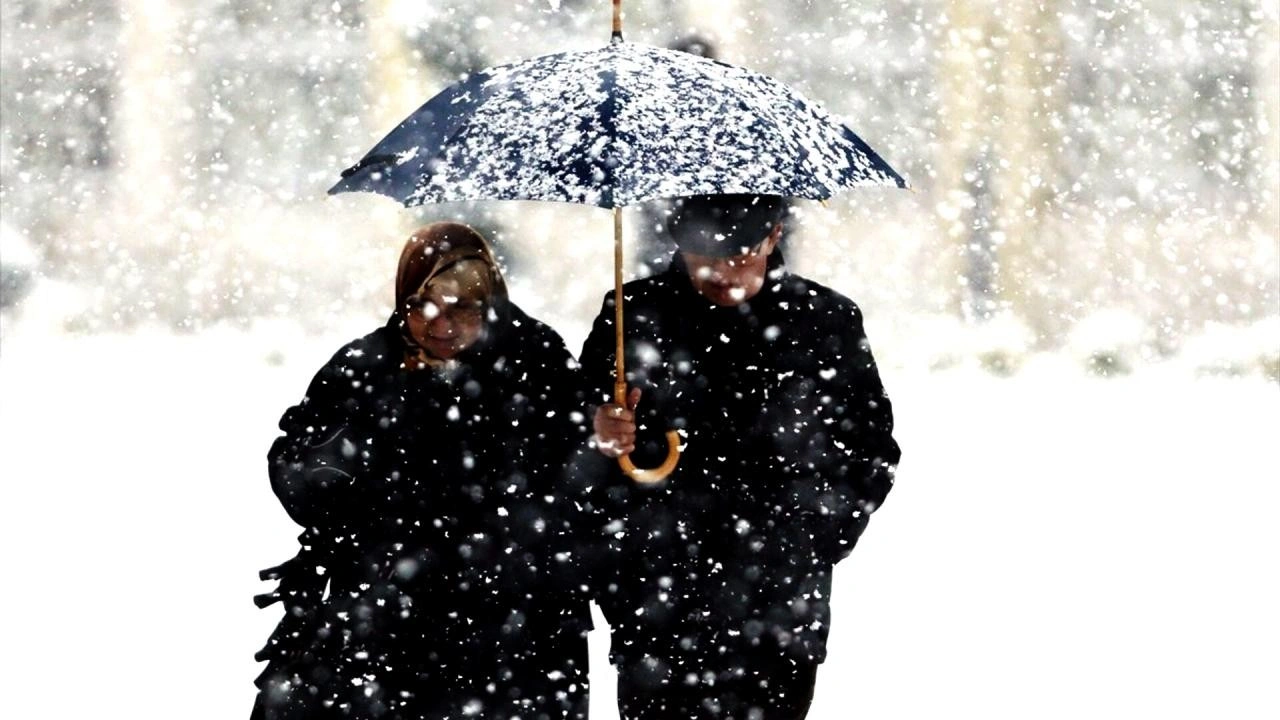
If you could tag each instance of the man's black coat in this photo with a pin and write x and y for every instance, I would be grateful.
(436, 511)
(788, 451)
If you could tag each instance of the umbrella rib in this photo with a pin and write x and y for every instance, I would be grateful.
(796, 150)
(609, 119)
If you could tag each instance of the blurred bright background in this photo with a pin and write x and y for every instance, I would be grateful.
(1077, 313)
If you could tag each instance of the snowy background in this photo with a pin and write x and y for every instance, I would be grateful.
(1077, 317)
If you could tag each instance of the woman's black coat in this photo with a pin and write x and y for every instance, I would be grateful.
(436, 511)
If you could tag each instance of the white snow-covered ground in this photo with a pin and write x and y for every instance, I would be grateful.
(1059, 546)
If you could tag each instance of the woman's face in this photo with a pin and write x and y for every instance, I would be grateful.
(448, 317)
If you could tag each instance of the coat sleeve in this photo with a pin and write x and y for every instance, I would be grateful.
(564, 429)
(596, 361)
(580, 472)
(315, 461)
(854, 446)
(607, 493)
(562, 498)
(657, 409)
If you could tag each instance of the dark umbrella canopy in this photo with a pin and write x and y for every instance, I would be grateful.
(612, 127)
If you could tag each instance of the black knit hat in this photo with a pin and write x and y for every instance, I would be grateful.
(724, 225)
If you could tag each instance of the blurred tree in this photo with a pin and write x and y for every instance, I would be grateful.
(1000, 131)
(1029, 175)
(1266, 48)
(48, 167)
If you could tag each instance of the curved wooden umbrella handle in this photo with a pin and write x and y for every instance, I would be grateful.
(660, 473)
(640, 475)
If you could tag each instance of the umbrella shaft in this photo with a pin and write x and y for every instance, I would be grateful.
(619, 368)
(617, 19)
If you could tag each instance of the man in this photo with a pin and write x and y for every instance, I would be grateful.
(719, 579)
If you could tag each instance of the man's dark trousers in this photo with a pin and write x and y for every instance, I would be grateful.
(757, 689)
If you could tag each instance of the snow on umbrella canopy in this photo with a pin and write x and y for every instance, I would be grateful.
(616, 126)
(612, 127)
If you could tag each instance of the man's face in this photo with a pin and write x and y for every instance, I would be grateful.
(735, 279)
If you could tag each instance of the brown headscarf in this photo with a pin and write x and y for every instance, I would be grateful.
(431, 251)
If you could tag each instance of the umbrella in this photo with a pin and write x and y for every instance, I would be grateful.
(611, 127)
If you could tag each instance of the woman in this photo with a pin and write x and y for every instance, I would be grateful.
(427, 464)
